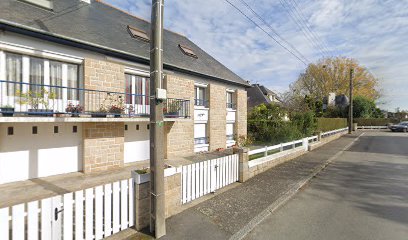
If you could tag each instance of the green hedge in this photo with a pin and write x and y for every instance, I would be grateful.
(375, 121)
(328, 124)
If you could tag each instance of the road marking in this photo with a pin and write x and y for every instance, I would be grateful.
(286, 196)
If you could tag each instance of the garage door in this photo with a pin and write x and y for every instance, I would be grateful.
(136, 142)
(39, 150)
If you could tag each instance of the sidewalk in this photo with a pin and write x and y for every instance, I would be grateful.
(230, 213)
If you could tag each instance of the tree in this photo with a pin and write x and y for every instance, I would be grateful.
(364, 107)
(333, 75)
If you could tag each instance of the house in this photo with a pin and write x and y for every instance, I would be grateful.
(74, 91)
(258, 94)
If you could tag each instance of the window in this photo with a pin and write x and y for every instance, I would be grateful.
(56, 79)
(72, 80)
(230, 131)
(14, 72)
(137, 91)
(200, 133)
(137, 33)
(230, 102)
(36, 74)
(200, 96)
(187, 51)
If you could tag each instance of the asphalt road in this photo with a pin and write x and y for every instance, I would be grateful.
(362, 195)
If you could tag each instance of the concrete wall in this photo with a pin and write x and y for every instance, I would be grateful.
(137, 143)
(25, 155)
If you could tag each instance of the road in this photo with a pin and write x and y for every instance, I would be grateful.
(362, 195)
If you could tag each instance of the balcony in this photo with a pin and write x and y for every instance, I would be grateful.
(201, 103)
(19, 99)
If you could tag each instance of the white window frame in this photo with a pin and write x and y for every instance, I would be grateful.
(196, 89)
(138, 73)
(59, 104)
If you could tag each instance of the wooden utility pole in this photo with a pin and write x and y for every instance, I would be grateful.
(157, 96)
(351, 102)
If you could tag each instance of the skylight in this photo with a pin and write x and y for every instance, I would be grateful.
(47, 4)
(188, 51)
(137, 33)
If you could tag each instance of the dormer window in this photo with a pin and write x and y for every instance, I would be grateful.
(46, 4)
(137, 33)
(187, 51)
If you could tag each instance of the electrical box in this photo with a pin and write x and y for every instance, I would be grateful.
(161, 94)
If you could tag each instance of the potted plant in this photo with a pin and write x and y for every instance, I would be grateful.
(36, 98)
(75, 110)
(101, 113)
(141, 175)
(7, 110)
(116, 110)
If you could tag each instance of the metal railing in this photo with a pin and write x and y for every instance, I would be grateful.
(230, 137)
(201, 102)
(18, 98)
(231, 105)
(201, 140)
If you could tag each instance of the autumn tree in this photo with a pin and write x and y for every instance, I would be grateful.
(333, 75)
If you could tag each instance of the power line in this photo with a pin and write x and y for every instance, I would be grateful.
(266, 32)
(303, 20)
(60, 13)
(296, 20)
(273, 30)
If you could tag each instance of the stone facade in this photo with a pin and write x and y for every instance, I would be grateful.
(217, 118)
(172, 192)
(241, 117)
(103, 145)
(102, 76)
(180, 134)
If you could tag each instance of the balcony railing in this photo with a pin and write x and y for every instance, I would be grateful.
(201, 102)
(201, 140)
(231, 105)
(230, 137)
(17, 98)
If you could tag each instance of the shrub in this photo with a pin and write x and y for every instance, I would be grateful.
(374, 121)
(328, 124)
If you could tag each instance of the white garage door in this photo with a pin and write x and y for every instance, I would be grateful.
(136, 142)
(39, 150)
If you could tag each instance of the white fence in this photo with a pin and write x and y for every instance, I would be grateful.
(201, 178)
(94, 213)
(294, 144)
(372, 127)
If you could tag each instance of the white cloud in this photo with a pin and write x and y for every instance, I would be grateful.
(372, 31)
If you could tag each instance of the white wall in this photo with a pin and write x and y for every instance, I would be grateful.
(136, 142)
(24, 155)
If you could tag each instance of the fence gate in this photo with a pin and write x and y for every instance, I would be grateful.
(199, 179)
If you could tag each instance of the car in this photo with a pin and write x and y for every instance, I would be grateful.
(400, 127)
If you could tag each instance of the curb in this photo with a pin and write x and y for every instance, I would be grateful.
(287, 195)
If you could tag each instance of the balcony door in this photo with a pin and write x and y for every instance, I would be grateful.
(137, 95)
(36, 83)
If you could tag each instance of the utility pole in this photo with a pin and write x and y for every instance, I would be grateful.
(157, 96)
(351, 102)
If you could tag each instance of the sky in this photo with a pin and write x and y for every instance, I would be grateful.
(375, 32)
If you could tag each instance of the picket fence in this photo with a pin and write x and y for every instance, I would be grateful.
(93, 213)
(199, 179)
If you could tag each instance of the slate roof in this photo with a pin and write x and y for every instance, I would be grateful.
(105, 28)
(258, 94)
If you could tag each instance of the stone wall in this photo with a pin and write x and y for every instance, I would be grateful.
(217, 121)
(102, 76)
(180, 134)
(172, 188)
(241, 117)
(103, 145)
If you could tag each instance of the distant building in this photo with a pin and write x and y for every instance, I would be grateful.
(341, 101)
(258, 94)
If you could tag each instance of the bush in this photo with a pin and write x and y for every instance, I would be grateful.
(374, 121)
(328, 124)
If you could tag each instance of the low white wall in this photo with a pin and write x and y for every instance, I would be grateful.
(136, 143)
(25, 155)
